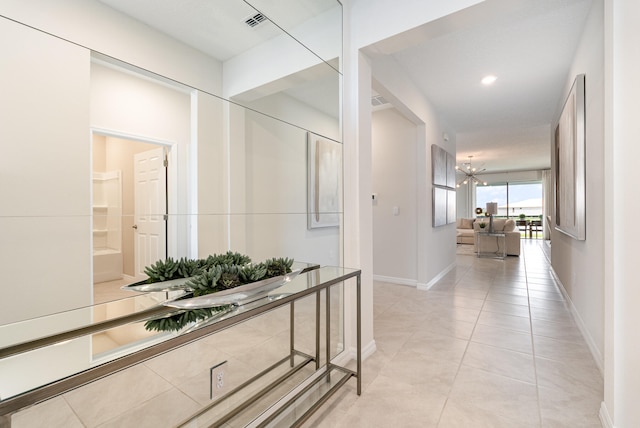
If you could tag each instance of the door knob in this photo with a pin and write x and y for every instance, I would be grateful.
(135, 226)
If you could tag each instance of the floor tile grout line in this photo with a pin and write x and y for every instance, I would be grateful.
(466, 348)
(446, 401)
(533, 346)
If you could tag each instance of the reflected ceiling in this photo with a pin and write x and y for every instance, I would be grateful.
(208, 25)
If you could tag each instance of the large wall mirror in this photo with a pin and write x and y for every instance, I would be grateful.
(99, 94)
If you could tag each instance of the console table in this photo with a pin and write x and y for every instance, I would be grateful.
(312, 282)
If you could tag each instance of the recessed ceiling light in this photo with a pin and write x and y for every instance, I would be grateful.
(488, 80)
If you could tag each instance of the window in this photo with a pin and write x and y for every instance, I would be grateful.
(513, 198)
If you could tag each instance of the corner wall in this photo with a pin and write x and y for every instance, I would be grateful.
(394, 148)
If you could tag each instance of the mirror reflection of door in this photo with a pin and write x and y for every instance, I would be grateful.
(120, 251)
(150, 228)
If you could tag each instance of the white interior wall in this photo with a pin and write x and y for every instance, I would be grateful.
(361, 28)
(436, 245)
(46, 175)
(621, 205)
(394, 149)
(578, 264)
(213, 172)
(274, 222)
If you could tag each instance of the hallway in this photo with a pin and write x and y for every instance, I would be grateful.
(492, 344)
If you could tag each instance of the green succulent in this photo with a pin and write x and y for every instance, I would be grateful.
(189, 267)
(229, 258)
(278, 266)
(206, 282)
(162, 270)
(230, 277)
(178, 321)
(253, 273)
(210, 275)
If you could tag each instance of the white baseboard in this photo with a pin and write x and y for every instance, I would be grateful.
(595, 352)
(393, 280)
(605, 419)
(412, 282)
(434, 280)
(367, 350)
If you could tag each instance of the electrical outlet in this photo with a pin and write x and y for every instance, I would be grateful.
(218, 380)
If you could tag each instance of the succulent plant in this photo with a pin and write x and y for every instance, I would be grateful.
(229, 258)
(189, 267)
(178, 321)
(206, 282)
(230, 277)
(162, 270)
(215, 273)
(278, 266)
(253, 273)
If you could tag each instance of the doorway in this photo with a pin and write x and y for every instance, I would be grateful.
(128, 238)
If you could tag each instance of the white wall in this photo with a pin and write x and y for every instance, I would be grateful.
(269, 186)
(436, 246)
(622, 294)
(394, 149)
(51, 85)
(361, 28)
(45, 250)
(579, 264)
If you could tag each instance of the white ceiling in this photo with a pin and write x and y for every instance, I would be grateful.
(217, 27)
(528, 44)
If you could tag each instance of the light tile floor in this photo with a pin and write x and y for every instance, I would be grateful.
(490, 345)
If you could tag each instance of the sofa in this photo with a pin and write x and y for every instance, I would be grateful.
(464, 231)
(512, 235)
(467, 227)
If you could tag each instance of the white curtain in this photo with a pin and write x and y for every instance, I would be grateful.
(547, 191)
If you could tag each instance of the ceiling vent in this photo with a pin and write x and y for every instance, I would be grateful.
(378, 100)
(254, 20)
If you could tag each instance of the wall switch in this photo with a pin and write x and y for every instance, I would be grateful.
(396, 211)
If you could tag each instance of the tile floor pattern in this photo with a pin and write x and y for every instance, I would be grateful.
(490, 345)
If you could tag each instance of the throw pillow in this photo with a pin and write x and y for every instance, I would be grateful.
(509, 225)
(467, 223)
(498, 224)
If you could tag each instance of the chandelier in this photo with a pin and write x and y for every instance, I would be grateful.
(469, 174)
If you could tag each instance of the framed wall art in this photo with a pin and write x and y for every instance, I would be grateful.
(569, 164)
(444, 182)
(324, 169)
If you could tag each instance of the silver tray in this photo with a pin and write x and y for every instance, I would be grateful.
(234, 295)
(171, 285)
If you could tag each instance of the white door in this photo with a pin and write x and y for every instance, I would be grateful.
(150, 208)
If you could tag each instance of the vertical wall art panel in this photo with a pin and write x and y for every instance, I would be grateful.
(324, 166)
(570, 164)
(439, 165)
(444, 181)
(451, 171)
(439, 206)
(451, 206)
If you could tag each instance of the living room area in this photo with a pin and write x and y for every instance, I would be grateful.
(512, 204)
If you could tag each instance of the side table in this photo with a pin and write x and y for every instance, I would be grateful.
(491, 245)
